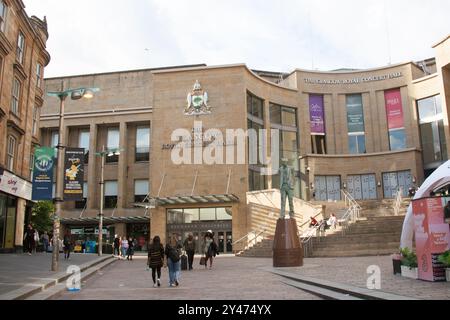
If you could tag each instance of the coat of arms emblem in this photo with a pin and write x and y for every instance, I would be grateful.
(197, 102)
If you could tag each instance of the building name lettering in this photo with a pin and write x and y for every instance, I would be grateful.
(357, 80)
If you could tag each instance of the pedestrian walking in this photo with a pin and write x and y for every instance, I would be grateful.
(189, 247)
(67, 242)
(29, 239)
(173, 253)
(124, 246)
(156, 260)
(210, 249)
(45, 241)
(36, 240)
(130, 250)
(116, 245)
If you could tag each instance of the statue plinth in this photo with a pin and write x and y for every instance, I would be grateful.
(287, 248)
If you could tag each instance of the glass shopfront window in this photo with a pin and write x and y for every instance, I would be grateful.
(432, 134)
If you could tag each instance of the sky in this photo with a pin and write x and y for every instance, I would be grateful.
(95, 36)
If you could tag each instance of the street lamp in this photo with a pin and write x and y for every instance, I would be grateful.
(75, 94)
(104, 153)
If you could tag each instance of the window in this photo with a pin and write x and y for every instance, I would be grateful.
(113, 143)
(255, 106)
(82, 204)
(397, 139)
(35, 120)
(434, 146)
(207, 214)
(285, 116)
(38, 75)
(83, 142)
(355, 124)
(110, 194)
(318, 144)
(15, 97)
(3, 10)
(142, 144)
(55, 139)
(140, 190)
(11, 153)
(356, 144)
(20, 47)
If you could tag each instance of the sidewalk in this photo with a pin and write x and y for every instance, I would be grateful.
(21, 271)
(353, 272)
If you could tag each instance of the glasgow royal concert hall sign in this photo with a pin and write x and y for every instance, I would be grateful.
(356, 80)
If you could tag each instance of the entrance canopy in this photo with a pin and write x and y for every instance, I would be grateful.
(188, 200)
(106, 220)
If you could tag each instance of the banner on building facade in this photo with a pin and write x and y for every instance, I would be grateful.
(355, 114)
(73, 174)
(44, 162)
(394, 109)
(317, 114)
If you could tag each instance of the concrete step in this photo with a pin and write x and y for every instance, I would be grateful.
(345, 240)
(358, 246)
(353, 253)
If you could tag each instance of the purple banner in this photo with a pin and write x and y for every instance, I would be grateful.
(317, 114)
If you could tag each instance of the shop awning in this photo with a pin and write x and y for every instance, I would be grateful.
(106, 220)
(188, 200)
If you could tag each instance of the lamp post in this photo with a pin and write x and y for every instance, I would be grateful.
(103, 154)
(75, 94)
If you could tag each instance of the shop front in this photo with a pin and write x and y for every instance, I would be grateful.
(15, 193)
(197, 221)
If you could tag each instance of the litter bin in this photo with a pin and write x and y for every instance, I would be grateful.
(397, 264)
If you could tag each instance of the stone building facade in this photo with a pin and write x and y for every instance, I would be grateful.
(370, 132)
(23, 56)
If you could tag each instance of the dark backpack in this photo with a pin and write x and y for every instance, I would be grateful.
(174, 255)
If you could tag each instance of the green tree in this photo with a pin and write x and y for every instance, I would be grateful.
(41, 216)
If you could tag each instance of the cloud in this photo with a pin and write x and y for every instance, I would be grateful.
(107, 35)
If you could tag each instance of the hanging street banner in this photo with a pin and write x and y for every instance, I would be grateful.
(394, 109)
(317, 114)
(73, 174)
(355, 114)
(44, 162)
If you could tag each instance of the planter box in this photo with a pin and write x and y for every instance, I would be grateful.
(410, 273)
(447, 274)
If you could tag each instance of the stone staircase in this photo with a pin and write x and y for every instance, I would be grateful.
(367, 237)
(377, 232)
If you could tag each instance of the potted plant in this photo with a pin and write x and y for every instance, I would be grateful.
(397, 263)
(445, 260)
(409, 264)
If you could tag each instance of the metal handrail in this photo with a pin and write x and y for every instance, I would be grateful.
(320, 212)
(256, 235)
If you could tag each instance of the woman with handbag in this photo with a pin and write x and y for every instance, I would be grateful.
(210, 249)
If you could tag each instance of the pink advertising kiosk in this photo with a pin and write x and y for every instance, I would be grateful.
(432, 236)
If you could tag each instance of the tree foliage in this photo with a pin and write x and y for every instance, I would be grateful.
(41, 216)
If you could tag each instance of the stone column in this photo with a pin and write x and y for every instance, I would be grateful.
(92, 179)
(20, 220)
(122, 167)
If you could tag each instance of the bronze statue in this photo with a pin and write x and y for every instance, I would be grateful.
(286, 189)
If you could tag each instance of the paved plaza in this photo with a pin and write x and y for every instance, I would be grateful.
(231, 278)
(248, 279)
(22, 270)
